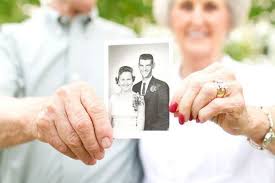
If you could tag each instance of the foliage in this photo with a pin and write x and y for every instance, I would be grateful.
(136, 13)
(12, 11)
(263, 9)
(133, 13)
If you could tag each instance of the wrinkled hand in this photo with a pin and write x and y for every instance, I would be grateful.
(75, 122)
(196, 99)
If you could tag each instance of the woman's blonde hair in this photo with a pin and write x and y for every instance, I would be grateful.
(239, 11)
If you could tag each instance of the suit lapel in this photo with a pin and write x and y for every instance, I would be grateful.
(151, 83)
(139, 87)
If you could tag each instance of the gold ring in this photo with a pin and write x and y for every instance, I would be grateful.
(221, 89)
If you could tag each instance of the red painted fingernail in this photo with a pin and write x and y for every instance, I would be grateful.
(191, 118)
(181, 119)
(173, 108)
(198, 120)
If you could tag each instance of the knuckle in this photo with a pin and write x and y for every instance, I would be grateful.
(80, 118)
(97, 109)
(62, 92)
(81, 126)
(73, 141)
(50, 109)
(93, 147)
(61, 148)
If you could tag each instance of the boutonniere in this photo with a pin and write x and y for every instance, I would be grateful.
(153, 88)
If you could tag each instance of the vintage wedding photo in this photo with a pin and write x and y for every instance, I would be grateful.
(138, 86)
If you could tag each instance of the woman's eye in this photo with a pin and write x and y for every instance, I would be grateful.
(210, 6)
(187, 5)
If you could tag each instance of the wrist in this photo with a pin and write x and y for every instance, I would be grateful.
(27, 115)
(257, 126)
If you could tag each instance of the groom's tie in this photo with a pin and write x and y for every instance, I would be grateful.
(143, 89)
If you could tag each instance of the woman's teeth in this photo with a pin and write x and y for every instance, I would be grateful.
(197, 35)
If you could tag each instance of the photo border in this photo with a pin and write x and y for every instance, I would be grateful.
(133, 41)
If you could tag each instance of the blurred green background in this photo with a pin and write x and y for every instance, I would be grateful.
(137, 13)
(127, 12)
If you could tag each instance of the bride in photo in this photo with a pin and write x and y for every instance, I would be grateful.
(127, 107)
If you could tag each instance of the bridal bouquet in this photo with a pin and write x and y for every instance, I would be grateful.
(137, 101)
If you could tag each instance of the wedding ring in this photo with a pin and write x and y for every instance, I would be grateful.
(221, 88)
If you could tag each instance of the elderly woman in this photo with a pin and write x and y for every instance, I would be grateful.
(200, 151)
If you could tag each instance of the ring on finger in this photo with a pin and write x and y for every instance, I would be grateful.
(221, 88)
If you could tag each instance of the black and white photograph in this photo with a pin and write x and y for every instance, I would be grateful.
(138, 86)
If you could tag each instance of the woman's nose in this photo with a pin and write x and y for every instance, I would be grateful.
(197, 16)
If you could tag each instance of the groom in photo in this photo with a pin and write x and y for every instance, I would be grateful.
(156, 95)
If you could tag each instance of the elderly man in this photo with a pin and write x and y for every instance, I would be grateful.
(43, 117)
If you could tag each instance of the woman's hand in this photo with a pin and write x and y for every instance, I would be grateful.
(197, 99)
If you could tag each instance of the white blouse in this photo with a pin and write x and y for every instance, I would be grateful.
(204, 153)
(126, 116)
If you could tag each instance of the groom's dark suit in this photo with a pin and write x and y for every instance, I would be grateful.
(156, 104)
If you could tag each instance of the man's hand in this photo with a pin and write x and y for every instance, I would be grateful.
(75, 122)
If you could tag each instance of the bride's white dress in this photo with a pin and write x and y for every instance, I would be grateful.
(124, 115)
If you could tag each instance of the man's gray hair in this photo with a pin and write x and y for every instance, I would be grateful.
(239, 10)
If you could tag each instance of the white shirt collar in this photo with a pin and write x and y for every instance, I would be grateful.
(147, 81)
(54, 16)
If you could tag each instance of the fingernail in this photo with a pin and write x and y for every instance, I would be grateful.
(181, 119)
(106, 143)
(198, 120)
(191, 118)
(173, 107)
(91, 162)
(99, 156)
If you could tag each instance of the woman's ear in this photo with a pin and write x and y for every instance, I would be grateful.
(116, 80)
(134, 78)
